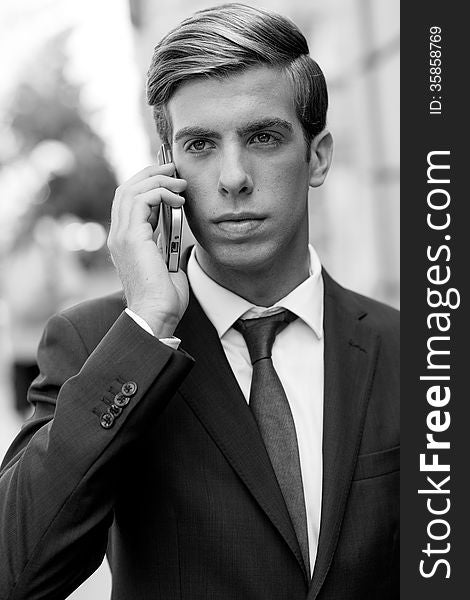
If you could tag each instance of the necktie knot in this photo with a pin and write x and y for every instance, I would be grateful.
(260, 333)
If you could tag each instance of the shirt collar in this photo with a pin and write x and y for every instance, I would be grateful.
(223, 307)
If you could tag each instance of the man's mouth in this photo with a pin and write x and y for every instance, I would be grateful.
(239, 223)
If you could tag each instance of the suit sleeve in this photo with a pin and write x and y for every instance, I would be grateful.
(58, 478)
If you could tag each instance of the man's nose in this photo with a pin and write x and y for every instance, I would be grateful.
(234, 176)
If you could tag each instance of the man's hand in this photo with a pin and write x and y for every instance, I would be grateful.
(151, 292)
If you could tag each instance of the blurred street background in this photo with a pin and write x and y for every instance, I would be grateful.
(74, 124)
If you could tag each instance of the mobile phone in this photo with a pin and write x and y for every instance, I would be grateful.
(171, 222)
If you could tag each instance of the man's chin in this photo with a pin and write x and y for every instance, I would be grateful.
(235, 257)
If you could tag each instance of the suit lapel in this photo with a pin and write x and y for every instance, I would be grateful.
(213, 394)
(350, 357)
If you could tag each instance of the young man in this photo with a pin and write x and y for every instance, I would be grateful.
(235, 437)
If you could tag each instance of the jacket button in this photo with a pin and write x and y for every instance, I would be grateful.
(129, 388)
(114, 410)
(107, 420)
(120, 400)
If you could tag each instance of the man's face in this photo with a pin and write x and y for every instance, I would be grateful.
(240, 146)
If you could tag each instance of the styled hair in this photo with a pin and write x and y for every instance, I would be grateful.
(220, 41)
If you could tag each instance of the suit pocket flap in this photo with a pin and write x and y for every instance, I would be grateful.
(377, 463)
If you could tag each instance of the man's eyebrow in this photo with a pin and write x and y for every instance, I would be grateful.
(252, 127)
(195, 131)
(265, 124)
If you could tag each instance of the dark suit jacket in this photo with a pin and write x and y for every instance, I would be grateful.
(180, 490)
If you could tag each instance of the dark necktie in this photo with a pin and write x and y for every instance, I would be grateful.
(270, 407)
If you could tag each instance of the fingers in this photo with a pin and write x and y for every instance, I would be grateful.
(159, 181)
(136, 201)
(152, 189)
(150, 171)
(161, 194)
(141, 208)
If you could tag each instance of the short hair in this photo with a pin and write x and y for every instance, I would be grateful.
(223, 40)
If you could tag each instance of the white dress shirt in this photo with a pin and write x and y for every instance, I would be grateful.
(297, 357)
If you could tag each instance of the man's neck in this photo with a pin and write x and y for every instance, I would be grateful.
(263, 286)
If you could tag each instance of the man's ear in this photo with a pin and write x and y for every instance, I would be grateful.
(321, 153)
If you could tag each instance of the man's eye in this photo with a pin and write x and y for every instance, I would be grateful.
(264, 138)
(198, 146)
